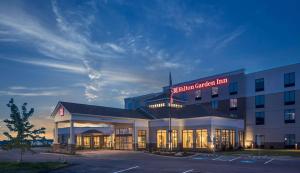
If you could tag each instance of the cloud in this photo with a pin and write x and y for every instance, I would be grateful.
(33, 94)
(58, 65)
(228, 38)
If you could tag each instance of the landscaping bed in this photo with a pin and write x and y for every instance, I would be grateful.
(174, 154)
(27, 167)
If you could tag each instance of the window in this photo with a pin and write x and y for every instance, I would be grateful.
(141, 138)
(289, 79)
(96, 140)
(174, 139)
(107, 142)
(78, 141)
(259, 118)
(214, 92)
(289, 97)
(187, 139)
(289, 115)
(87, 141)
(123, 131)
(233, 88)
(233, 104)
(290, 140)
(201, 138)
(198, 95)
(214, 104)
(123, 142)
(260, 101)
(259, 84)
(161, 137)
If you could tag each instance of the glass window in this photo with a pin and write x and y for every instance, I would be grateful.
(289, 115)
(123, 142)
(233, 88)
(290, 140)
(198, 95)
(201, 138)
(289, 97)
(214, 91)
(214, 104)
(107, 142)
(141, 138)
(233, 104)
(87, 141)
(174, 139)
(187, 138)
(78, 141)
(259, 118)
(161, 137)
(259, 84)
(96, 141)
(260, 101)
(289, 79)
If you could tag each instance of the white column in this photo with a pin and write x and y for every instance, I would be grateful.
(56, 133)
(72, 138)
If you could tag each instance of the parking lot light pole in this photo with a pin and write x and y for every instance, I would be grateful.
(170, 112)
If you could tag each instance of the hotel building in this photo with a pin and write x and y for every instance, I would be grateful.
(219, 112)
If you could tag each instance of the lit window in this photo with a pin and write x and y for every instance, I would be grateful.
(96, 141)
(214, 92)
(161, 137)
(187, 138)
(233, 104)
(259, 84)
(198, 95)
(289, 116)
(174, 139)
(201, 138)
(87, 141)
(78, 141)
(141, 138)
(289, 79)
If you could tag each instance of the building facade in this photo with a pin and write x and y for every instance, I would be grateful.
(219, 112)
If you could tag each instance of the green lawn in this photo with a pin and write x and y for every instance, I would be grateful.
(26, 167)
(268, 152)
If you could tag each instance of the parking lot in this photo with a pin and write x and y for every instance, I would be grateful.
(107, 161)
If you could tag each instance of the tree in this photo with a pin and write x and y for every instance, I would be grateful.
(22, 130)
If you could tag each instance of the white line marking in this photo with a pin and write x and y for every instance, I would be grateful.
(127, 169)
(191, 170)
(234, 159)
(217, 158)
(268, 161)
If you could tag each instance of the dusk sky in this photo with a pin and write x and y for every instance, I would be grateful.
(99, 52)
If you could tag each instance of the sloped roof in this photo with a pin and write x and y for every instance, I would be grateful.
(76, 108)
(91, 131)
(165, 96)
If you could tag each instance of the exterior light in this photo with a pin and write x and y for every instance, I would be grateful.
(296, 146)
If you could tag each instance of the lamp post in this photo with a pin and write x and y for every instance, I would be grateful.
(170, 112)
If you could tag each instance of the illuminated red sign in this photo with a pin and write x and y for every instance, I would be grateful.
(200, 85)
(61, 111)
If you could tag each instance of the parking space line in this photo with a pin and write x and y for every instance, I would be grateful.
(234, 159)
(126, 169)
(268, 161)
(217, 158)
(191, 170)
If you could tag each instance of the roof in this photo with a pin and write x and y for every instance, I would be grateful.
(76, 108)
(188, 111)
(164, 96)
(91, 131)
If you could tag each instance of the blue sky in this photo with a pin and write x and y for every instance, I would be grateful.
(99, 52)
